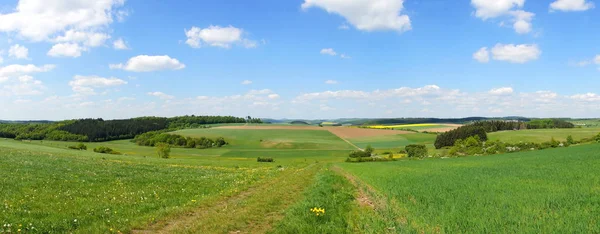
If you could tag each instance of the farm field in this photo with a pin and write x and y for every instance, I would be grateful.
(419, 127)
(542, 135)
(398, 141)
(225, 190)
(550, 191)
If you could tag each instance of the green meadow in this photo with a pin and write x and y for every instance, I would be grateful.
(48, 188)
(543, 135)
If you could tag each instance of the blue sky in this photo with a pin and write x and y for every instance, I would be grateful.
(63, 59)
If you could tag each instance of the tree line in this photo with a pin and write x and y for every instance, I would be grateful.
(481, 128)
(98, 130)
(159, 137)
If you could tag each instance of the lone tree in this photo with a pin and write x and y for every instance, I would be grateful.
(369, 150)
(163, 150)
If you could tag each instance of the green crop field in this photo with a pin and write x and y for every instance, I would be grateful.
(48, 188)
(551, 191)
(394, 141)
(542, 135)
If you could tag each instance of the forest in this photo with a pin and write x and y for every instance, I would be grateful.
(98, 130)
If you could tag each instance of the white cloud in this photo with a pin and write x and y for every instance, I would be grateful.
(86, 84)
(66, 50)
(218, 36)
(344, 27)
(486, 9)
(482, 55)
(522, 20)
(1, 59)
(147, 63)
(39, 20)
(588, 97)
(120, 44)
(331, 82)
(246, 82)
(597, 59)
(23, 86)
(501, 91)
(571, 5)
(344, 56)
(367, 15)
(273, 96)
(516, 53)
(489, 9)
(161, 95)
(88, 39)
(18, 51)
(18, 70)
(328, 51)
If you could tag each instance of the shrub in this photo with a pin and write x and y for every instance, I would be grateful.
(416, 151)
(359, 154)
(597, 138)
(163, 150)
(79, 146)
(105, 150)
(570, 140)
(259, 159)
(369, 150)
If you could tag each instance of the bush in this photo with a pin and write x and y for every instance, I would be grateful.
(597, 138)
(163, 150)
(359, 154)
(416, 151)
(461, 133)
(369, 150)
(259, 159)
(79, 146)
(105, 150)
(570, 140)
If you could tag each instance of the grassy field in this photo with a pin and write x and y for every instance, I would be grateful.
(588, 123)
(551, 191)
(45, 188)
(543, 135)
(394, 141)
(49, 188)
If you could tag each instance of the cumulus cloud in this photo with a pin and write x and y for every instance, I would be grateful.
(66, 50)
(218, 36)
(161, 95)
(86, 84)
(147, 63)
(501, 91)
(328, 51)
(522, 21)
(490, 9)
(23, 86)
(88, 39)
(367, 15)
(571, 5)
(486, 9)
(482, 55)
(19, 70)
(273, 96)
(18, 51)
(516, 53)
(597, 59)
(120, 44)
(587, 97)
(331, 82)
(246, 82)
(39, 20)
